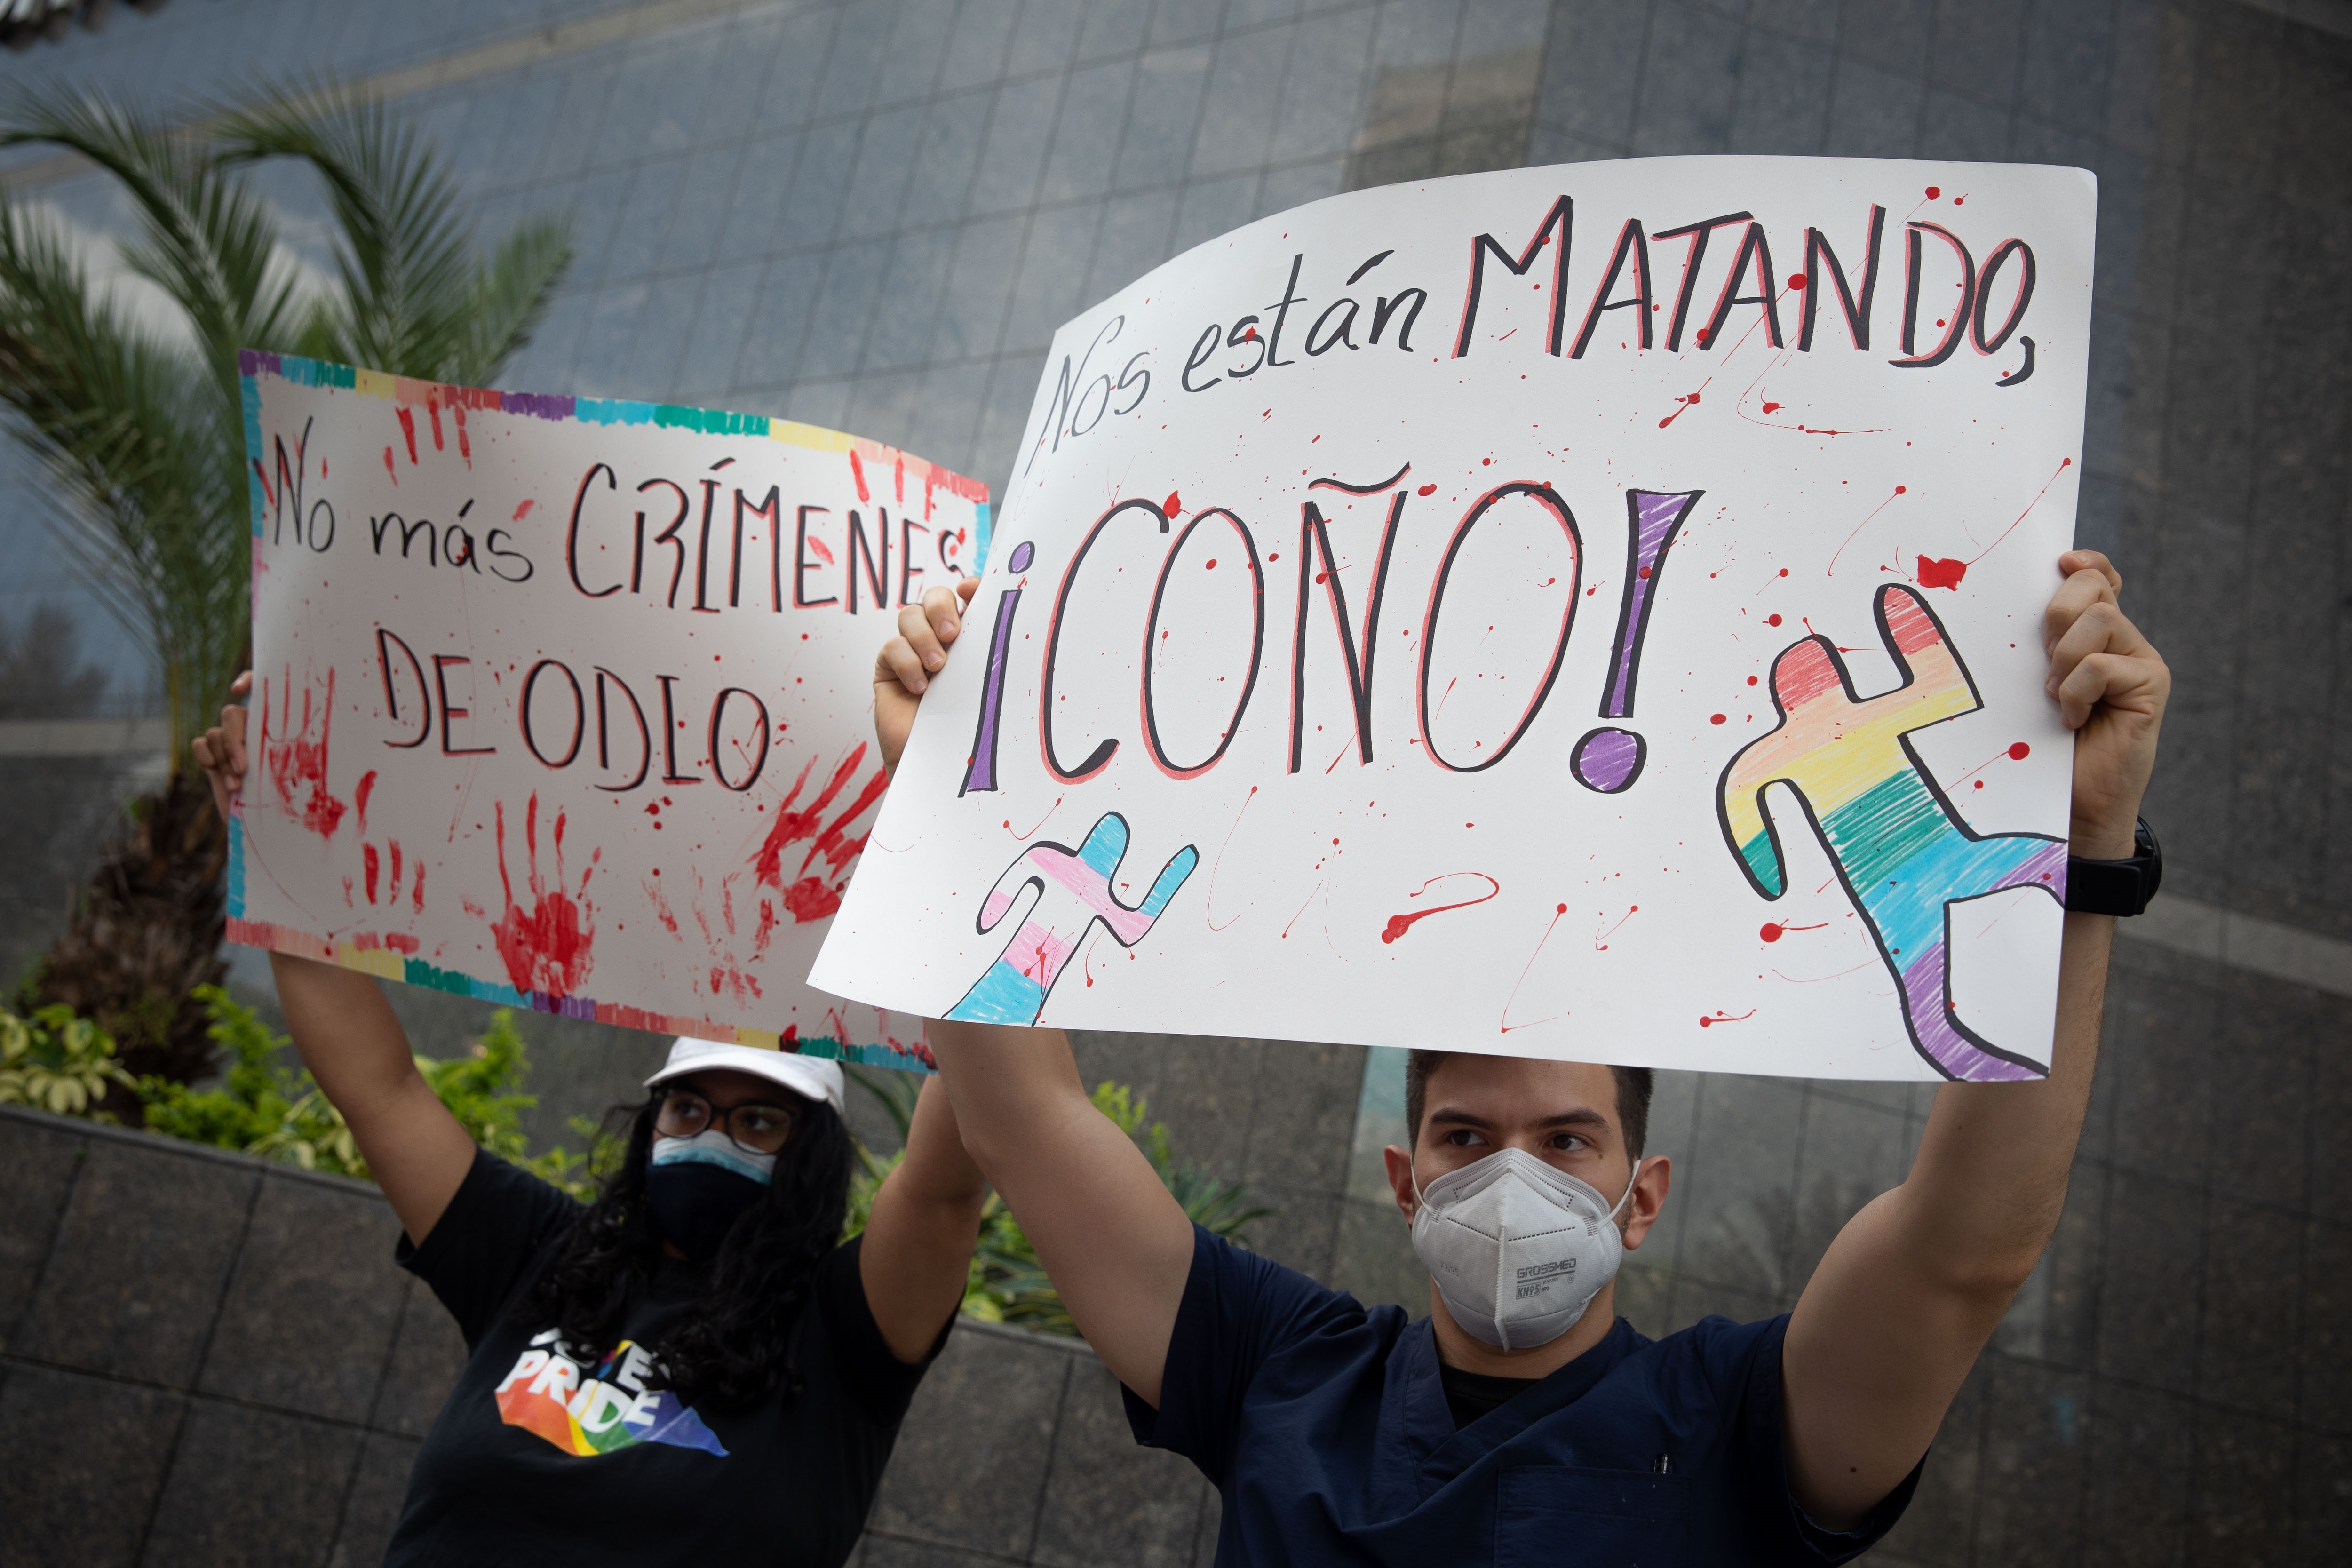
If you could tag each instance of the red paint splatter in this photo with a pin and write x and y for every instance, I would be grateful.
(1701, 336)
(824, 551)
(1504, 1022)
(1773, 619)
(359, 794)
(395, 867)
(432, 410)
(2019, 750)
(857, 472)
(371, 868)
(1399, 924)
(1796, 280)
(388, 468)
(1771, 408)
(1774, 933)
(2064, 464)
(1601, 946)
(1717, 719)
(407, 431)
(810, 899)
(1209, 906)
(1426, 490)
(296, 761)
(465, 446)
(767, 928)
(1688, 402)
(547, 949)
(416, 890)
(1722, 1017)
(794, 826)
(1174, 505)
(1858, 527)
(401, 941)
(524, 511)
(1935, 191)
(1211, 566)
(1935, 573)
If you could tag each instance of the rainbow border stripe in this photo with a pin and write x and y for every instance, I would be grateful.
(409, 391)
(371, 953)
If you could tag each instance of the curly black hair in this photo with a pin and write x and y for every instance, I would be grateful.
(731, 1349)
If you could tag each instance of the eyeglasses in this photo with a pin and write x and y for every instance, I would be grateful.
(756, 1128)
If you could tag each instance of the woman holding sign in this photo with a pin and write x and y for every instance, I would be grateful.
(692, 1368)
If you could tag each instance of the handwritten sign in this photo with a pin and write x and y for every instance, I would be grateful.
(1589, 612)
(565, 704)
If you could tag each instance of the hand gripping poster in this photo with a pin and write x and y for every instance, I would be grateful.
(1588, 612)
(565, 704)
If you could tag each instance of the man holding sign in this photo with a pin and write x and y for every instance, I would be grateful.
(1522, 1420)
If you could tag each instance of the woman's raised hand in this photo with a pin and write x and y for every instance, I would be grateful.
(903, 670)
(220, 751)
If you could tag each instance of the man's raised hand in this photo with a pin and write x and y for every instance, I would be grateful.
(220, 751)
(902, 670)
(2110, 684)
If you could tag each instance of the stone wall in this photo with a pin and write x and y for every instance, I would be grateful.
(207, 1358)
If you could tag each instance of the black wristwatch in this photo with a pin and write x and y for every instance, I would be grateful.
(2117, 887)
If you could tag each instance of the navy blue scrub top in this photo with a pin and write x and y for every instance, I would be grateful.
(1325, 1426)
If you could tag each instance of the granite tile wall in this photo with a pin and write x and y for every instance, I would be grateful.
(210, 1358)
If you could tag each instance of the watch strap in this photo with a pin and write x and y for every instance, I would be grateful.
(2119, 888)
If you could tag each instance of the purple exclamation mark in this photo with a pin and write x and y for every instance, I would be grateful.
(1609, 758)
(980, 772)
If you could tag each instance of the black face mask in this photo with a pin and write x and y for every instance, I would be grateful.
(696, 1204)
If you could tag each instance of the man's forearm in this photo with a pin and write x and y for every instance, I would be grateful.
(1001, 1081)
(1990, 1177)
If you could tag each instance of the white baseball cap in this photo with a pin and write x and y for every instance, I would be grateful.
(812, 1077)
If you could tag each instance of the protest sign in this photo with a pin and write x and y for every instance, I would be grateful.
(565, 704)
(1587, 612)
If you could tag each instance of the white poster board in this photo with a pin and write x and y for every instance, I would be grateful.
(566, 704)
(1588, 612)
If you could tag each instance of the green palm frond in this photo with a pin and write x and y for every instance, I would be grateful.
(124, 424)
(147, 437)
(414, 299)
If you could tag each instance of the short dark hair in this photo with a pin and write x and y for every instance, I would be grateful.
(1633, 1088)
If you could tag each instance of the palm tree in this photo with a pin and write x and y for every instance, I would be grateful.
(143, 437)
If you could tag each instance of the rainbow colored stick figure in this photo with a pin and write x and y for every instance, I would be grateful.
(1904, 854)
(1074, 891)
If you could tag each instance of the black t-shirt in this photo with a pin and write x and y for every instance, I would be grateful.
(545, 1455)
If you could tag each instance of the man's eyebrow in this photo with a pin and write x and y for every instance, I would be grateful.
(1455, 1116)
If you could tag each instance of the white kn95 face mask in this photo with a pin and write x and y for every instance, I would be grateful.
(1518, 1247)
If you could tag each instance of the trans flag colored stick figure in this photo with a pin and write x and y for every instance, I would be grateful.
(1904, 854)
(1074, 891)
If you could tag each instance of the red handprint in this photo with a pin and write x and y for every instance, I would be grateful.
(547, 948)
(295, 761)
(812, 898)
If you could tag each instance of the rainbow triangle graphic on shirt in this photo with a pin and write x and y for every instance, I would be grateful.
(600, 1414)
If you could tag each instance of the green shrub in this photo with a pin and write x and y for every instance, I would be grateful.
(57, 1062)
(1007, 1284)
(51, 1060)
